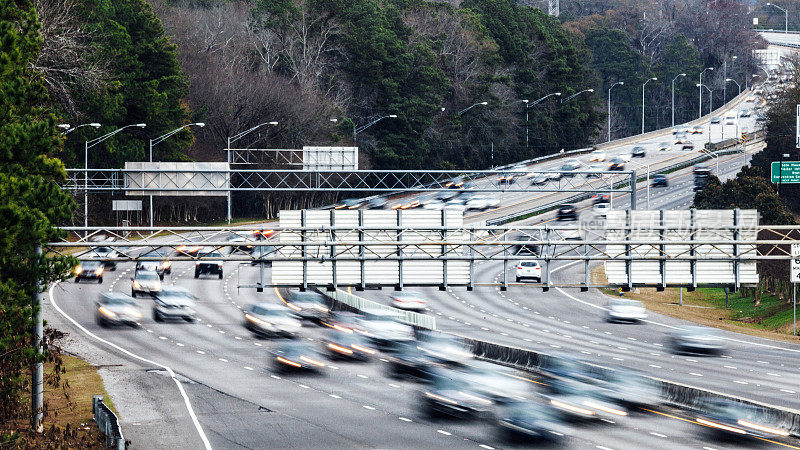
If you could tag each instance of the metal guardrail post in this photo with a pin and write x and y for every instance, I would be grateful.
(628, 271)
(108, 423)
(304, 250)
(399, 251)
(546, 252)
(692, 263)
(471, 281)
(361, 249)
(662, 265)
(444, 250)
(633, 190)
(333, 249)
(737, 224)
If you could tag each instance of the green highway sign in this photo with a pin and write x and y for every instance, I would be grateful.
(790, 172)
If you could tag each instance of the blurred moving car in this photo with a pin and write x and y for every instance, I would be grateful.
(638, 152)
(569, 166)
(680, 138)
(567, 211)
(444, 348)
(595, 171)
(174, 303)
(582, 401)
(210, 264)
(527, 270)
(494, 382)
(525, 249)
(241, 244)
(659, 180)
(601, 198)
(165, 266)
(115, 308)
(730, 119)
(697, 129)
(91, 269)
(377, 203)
(267, 319)
(602, 209)
(482, 202)
(189, 249)
(506, 178)
(629, 388)
(625, 310)
(664, 146)
(150, 266)
(537, 178)
(408, 300)
(697, 340)
(687, 145)
(716, 119)
(745, 113)
(144, 282)
(104, 254)
(406, 359)
(350, 203)
(308, 305)
(448, 393)
(680, 129)
(343, 345)
(616, 164)
(384, 328)
(734, 418)
(297, 355)
(597, 156)
(532, 420)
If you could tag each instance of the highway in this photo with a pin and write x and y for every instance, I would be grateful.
(230, 397)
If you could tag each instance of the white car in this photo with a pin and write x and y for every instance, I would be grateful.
(625, 310)
(144, 282)
(529, 270)
(730, 119)
(601, 209)
(482, 203)
(407, 300)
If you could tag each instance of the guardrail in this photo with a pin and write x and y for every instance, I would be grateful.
(677, 394)
(362, 304)
(108, 423)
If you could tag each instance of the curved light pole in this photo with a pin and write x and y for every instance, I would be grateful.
(673, 97)
(564, 100)
(467, 109)
(534, 103)
(711, 99)
(87, 145)
(161, 139)
(228, 157)
(69, 129)
(643, 85)
(785, 17)
(357, 130)
(725, 76)
(701, 90)
(731, 80)
(618, 83)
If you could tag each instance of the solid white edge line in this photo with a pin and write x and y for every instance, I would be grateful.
(188, 404)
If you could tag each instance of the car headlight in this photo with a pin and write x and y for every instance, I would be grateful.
(255, 319)
(106, 312)
(78, 270)
(166, 264)
(136, 284)
(98, 271)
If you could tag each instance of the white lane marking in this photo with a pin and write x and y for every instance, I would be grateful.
(223, 359)
(729, 367)
(655, 366)
(487, 447)
(394, 385)
(404, 419)
(248, 368)
(304, 386)
(788, 391)
(200, 352)
(333, 396)
(773, 374)
(163, 338)
(368, 407)
(658, 434)
(696, 374)
(361, 376)
(186, 401)
(601, 447)
(740, 382)
(179, 344)
(444, 432)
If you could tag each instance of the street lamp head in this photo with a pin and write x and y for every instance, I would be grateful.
(95, 125)
(682, 75)
(698, 84)
(275, 123)
(734, 57)
(524, 101)
(199, 124)
(590, 90)
(64, 126)
(710, 68)
(393, 116)
(728, 79)
(483, 103)
(141, 125)
(334, 120)
(654, 79)
(558, 94)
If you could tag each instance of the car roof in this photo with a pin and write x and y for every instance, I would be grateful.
(115, 296)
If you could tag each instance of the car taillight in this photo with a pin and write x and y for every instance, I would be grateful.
(519, 268)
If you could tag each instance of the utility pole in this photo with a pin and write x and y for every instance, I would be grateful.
(37, 374)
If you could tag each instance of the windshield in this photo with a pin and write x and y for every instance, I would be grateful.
(146, 276)
(273, 312)
(211, 255)
(626, 302)
(117, 301)
(90, 265)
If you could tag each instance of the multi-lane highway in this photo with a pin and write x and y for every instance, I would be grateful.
(211, 383)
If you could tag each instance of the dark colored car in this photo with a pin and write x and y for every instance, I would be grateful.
(104, 254)
(90, 270)
(531, 420)
(506, 178)
(568, 167)
(601, 198)
(350, 203)
(377, 203)
(567, 211)
(616, 164)
(308, 305)
(210, 264)
(115, 308)
(348, 345)
(732, 418)
(297, 356)
(659, 180)
(405, 359)
(173, 303)
(449, 393)
(638, 152)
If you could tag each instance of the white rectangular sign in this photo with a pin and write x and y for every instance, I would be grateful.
(126, 205)
(795, 263)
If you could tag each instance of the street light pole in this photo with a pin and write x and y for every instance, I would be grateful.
(673, 97)
(731, 80)
(564, 100)
(725, 76)
(160, 139)
(530, 104)
(357, 130)
(468, 108)
(86, 146)
(785, 17)
(620, 83)
(643, 85)
(229, 158)
(701, 90)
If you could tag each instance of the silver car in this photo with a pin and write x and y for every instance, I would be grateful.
(144, 282)
(174, 303)
(268, 319)
(625, 310)
(697, 340)
(115, 308)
